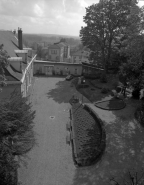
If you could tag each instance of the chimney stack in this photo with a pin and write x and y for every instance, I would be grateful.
(20, 42)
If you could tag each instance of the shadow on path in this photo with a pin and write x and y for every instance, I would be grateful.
(63, 92)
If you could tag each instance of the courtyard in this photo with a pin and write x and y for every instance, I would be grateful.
(51, 163)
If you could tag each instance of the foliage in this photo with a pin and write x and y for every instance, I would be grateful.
(115, 84)
(88, 135)
(103, 78)
(16, 134)
(133, 70)
(105, 21)
(139, 114)
(105, 90)
(3, 63)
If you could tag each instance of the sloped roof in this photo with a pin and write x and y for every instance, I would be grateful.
(55, 46)
(11, 75)
(10, 42)
(81, 53)
(62, 43)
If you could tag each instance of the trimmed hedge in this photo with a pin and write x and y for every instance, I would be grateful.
(89, 136)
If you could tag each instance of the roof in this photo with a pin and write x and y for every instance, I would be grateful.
(81, 53)
(62, 43)
(55, 46)
(11, 75)
(10, 42)
(56, 63)
(92, 66)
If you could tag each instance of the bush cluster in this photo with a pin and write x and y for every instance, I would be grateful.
(103, 78)
(105, 90)
(139, 114)
(16, 135)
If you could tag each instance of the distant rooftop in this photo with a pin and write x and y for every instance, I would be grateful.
(81, 53)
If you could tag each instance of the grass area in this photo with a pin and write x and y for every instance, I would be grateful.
(93, 91)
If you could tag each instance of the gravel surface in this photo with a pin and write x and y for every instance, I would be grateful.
(51, 163)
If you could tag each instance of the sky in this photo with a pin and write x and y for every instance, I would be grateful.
(62, 17)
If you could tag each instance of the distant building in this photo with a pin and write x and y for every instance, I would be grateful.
(80, 56)
(57, 52)
(66, 53)
(19, 72)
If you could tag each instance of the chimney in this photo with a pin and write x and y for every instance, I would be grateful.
(14, 32)
(20, 42)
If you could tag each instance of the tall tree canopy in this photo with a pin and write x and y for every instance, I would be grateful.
(105, 21)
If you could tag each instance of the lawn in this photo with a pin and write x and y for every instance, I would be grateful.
(93, 91)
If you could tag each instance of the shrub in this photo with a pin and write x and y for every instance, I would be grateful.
(98, 75)
(115, 84)
(139, 114)
(105, 90)
(136, 93)
(103, 78)
(16, 134)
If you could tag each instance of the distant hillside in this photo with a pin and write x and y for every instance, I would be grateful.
(29, 39)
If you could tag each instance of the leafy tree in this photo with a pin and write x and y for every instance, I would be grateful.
(133, 68)
(3, 63)
(16, 135)
(105, 21)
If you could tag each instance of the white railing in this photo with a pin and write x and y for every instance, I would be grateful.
(27, 68)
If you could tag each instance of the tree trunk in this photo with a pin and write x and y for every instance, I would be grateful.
(109, 52)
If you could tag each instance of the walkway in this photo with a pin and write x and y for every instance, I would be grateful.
(51, 161)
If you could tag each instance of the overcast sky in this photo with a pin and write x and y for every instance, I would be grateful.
(63, 17)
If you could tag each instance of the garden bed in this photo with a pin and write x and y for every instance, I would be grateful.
(88, 136)
(112, 104)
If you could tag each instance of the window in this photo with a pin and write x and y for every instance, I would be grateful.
(53, 51)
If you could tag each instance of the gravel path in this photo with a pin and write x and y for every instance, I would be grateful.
(51, 161)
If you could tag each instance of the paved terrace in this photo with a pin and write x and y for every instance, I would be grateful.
(51, 163)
